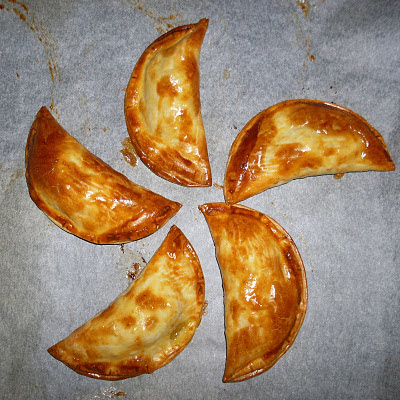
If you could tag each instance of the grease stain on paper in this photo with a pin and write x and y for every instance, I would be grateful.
(227, 74)
(108, 393)
(131, 262)
(8, 181)
(305, 7)
(44, 36)
(303, 24)
(19, 173)
(129, 152)
(133, 271)
(163, 23)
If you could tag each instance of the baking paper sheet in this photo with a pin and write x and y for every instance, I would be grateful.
(76, 57)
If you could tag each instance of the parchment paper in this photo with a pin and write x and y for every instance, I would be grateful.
(76, 58)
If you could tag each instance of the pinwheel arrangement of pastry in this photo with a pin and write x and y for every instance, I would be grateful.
(263, 275)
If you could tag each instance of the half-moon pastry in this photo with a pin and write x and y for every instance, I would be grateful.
(299, 138)
(265, 288)
(82, 194)
(162, 107)
(148, 325)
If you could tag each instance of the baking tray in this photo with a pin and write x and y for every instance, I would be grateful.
(76, 57)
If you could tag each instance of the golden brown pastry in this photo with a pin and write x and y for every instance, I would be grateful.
(162, 107)
(148, 325)
(299, 138)
(82, 194)
(265, 287)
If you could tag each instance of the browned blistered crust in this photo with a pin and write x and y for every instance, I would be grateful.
(82, 194)
(148, 325)
(163, 111)
(265, 287)
(299, 138)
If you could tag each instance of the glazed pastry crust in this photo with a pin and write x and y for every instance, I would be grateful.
(265, 288)
(162, 107)
(82, 194)
(299, 138)
(148, 325)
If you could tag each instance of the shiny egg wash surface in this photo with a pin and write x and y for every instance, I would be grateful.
(300, 138)
(163, 110)
(82, 194)
(148, 324)
(265, 287)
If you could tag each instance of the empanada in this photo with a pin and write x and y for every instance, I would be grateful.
(148, 325)
(299, 138)
(265, 287)
(162, 107)
(82, 194)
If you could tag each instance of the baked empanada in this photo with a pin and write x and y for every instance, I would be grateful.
(162, 107)
(148, 325)
(299, 138)
(265, 287)
(82, 194)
